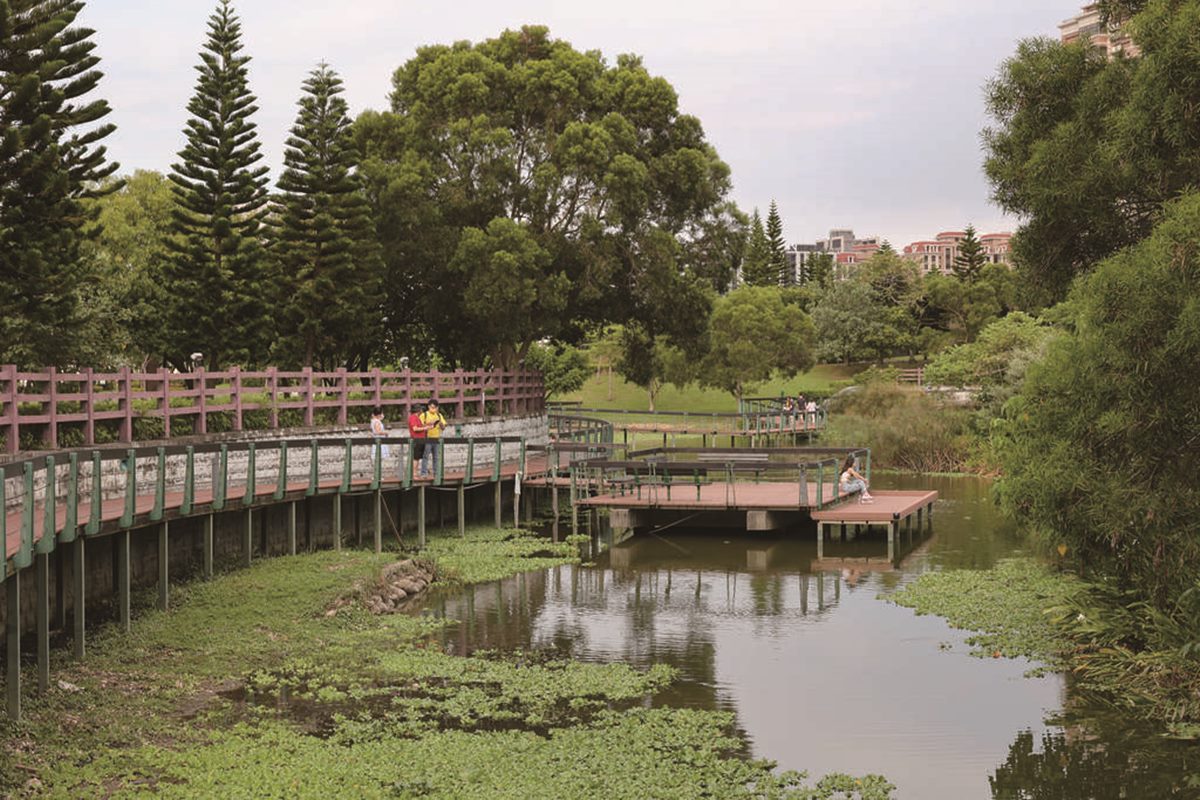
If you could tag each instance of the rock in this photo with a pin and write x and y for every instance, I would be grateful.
(68, 687)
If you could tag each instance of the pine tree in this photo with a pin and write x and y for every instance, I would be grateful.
(970, 259)
(777, 246)
(886, 248)
(756, 265)
(820, 269)
(217, 275)
(50, 160)
(330, 264)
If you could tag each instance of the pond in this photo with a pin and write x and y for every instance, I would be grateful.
(822, 674)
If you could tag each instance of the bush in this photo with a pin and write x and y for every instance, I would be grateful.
(904, 427)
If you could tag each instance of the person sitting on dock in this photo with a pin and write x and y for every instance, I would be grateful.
(853, 481)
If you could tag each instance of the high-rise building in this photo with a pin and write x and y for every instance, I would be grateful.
(1088, 26)
(846, 248)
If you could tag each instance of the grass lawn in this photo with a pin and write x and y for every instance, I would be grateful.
(595, 393)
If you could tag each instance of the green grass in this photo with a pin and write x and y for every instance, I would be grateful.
(595, 393)
(251, 687)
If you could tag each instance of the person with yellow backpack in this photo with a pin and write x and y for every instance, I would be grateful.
(434, 423)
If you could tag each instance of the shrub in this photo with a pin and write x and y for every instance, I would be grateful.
(904, 427)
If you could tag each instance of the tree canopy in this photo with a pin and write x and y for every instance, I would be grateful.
(754, 334)
(587, 168)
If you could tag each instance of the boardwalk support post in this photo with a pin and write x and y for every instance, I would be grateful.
(891, 533)
(123, 612)
(820, 540)
(421, 517)
(378, 524)
(248, 537)
(337, 522)
(164, 566)
(208, 547)
(462, 509)
(79, 597)
(498, 502)
(12, 647)
(42, 618)
(291, 528)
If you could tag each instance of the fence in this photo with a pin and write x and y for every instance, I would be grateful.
(104, 407)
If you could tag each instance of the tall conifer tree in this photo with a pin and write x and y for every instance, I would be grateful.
(777, 246)
(217, 276)
(50, 159)
(330, 264)
(756, 266)
(970, 259)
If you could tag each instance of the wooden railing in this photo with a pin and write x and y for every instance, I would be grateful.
(105, 407)
(915, 375)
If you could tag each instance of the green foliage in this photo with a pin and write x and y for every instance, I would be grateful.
(964, 308)
(971, 258)
(577, 174)
(1006, 605)
(849, 323)
(904, 427)
(564, 368)
(50, 161)
(217, 277)
(486, 554)
(653, 363)
(996, 362)
(328, 283)
(1099, 449)
(777, 246)
(512, 293)
(129, 247)
(756, 264)
(753, 335)
(819, 270)
(713, 249)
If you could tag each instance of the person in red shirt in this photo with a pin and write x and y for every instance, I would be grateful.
(416, 430)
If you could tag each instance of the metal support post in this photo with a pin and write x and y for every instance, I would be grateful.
(79, 597)
(208, 547)
(164, 562)
(12, 647)
(42, 618)
(498, 502)
(378, 526)
(421, 516)
(337, 522)
(291, 528)
(124, 618)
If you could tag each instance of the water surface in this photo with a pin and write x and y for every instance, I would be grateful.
(821, 673)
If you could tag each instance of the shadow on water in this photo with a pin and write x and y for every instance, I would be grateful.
(821, 673)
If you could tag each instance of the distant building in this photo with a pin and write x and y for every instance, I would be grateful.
(1087, 26)
(839, 243)
(940, 253)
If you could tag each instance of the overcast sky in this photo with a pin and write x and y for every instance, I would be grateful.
(857, 113)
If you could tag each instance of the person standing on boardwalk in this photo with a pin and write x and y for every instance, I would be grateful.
(434, 424)
(378, 429)
(852, 481)
(416, 433)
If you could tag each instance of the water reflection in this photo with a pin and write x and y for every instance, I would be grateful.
(820, 673)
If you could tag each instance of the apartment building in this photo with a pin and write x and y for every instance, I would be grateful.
(846, 248)
(1087, 26)
(940, 253)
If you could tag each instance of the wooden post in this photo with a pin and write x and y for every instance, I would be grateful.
(291, 510)
(42, 618)
(554, 510)
(164, 568)
(208, 547)
(421, 516)
(891, 533)
(820, 540)
(337, 521)
(124, 617)
(12, 643)
(79, 597)
(462, 510)
(378, 521)
(498, 502)
(248, 537)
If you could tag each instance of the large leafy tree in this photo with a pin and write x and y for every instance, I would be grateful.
(217, 277)
(1089, 150)
(777, 246)
(329, 288)
(1100, 450)
(850, 324)
(50, 161)
(754, 334)
(522, 137)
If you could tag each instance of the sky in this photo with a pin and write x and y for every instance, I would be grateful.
(852, 114)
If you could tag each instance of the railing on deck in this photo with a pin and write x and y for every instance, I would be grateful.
(48, 402)
(55, 497)
(685, 468)
(724, 423)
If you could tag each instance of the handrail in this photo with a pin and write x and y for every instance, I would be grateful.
(58, 496)
(49, 402)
